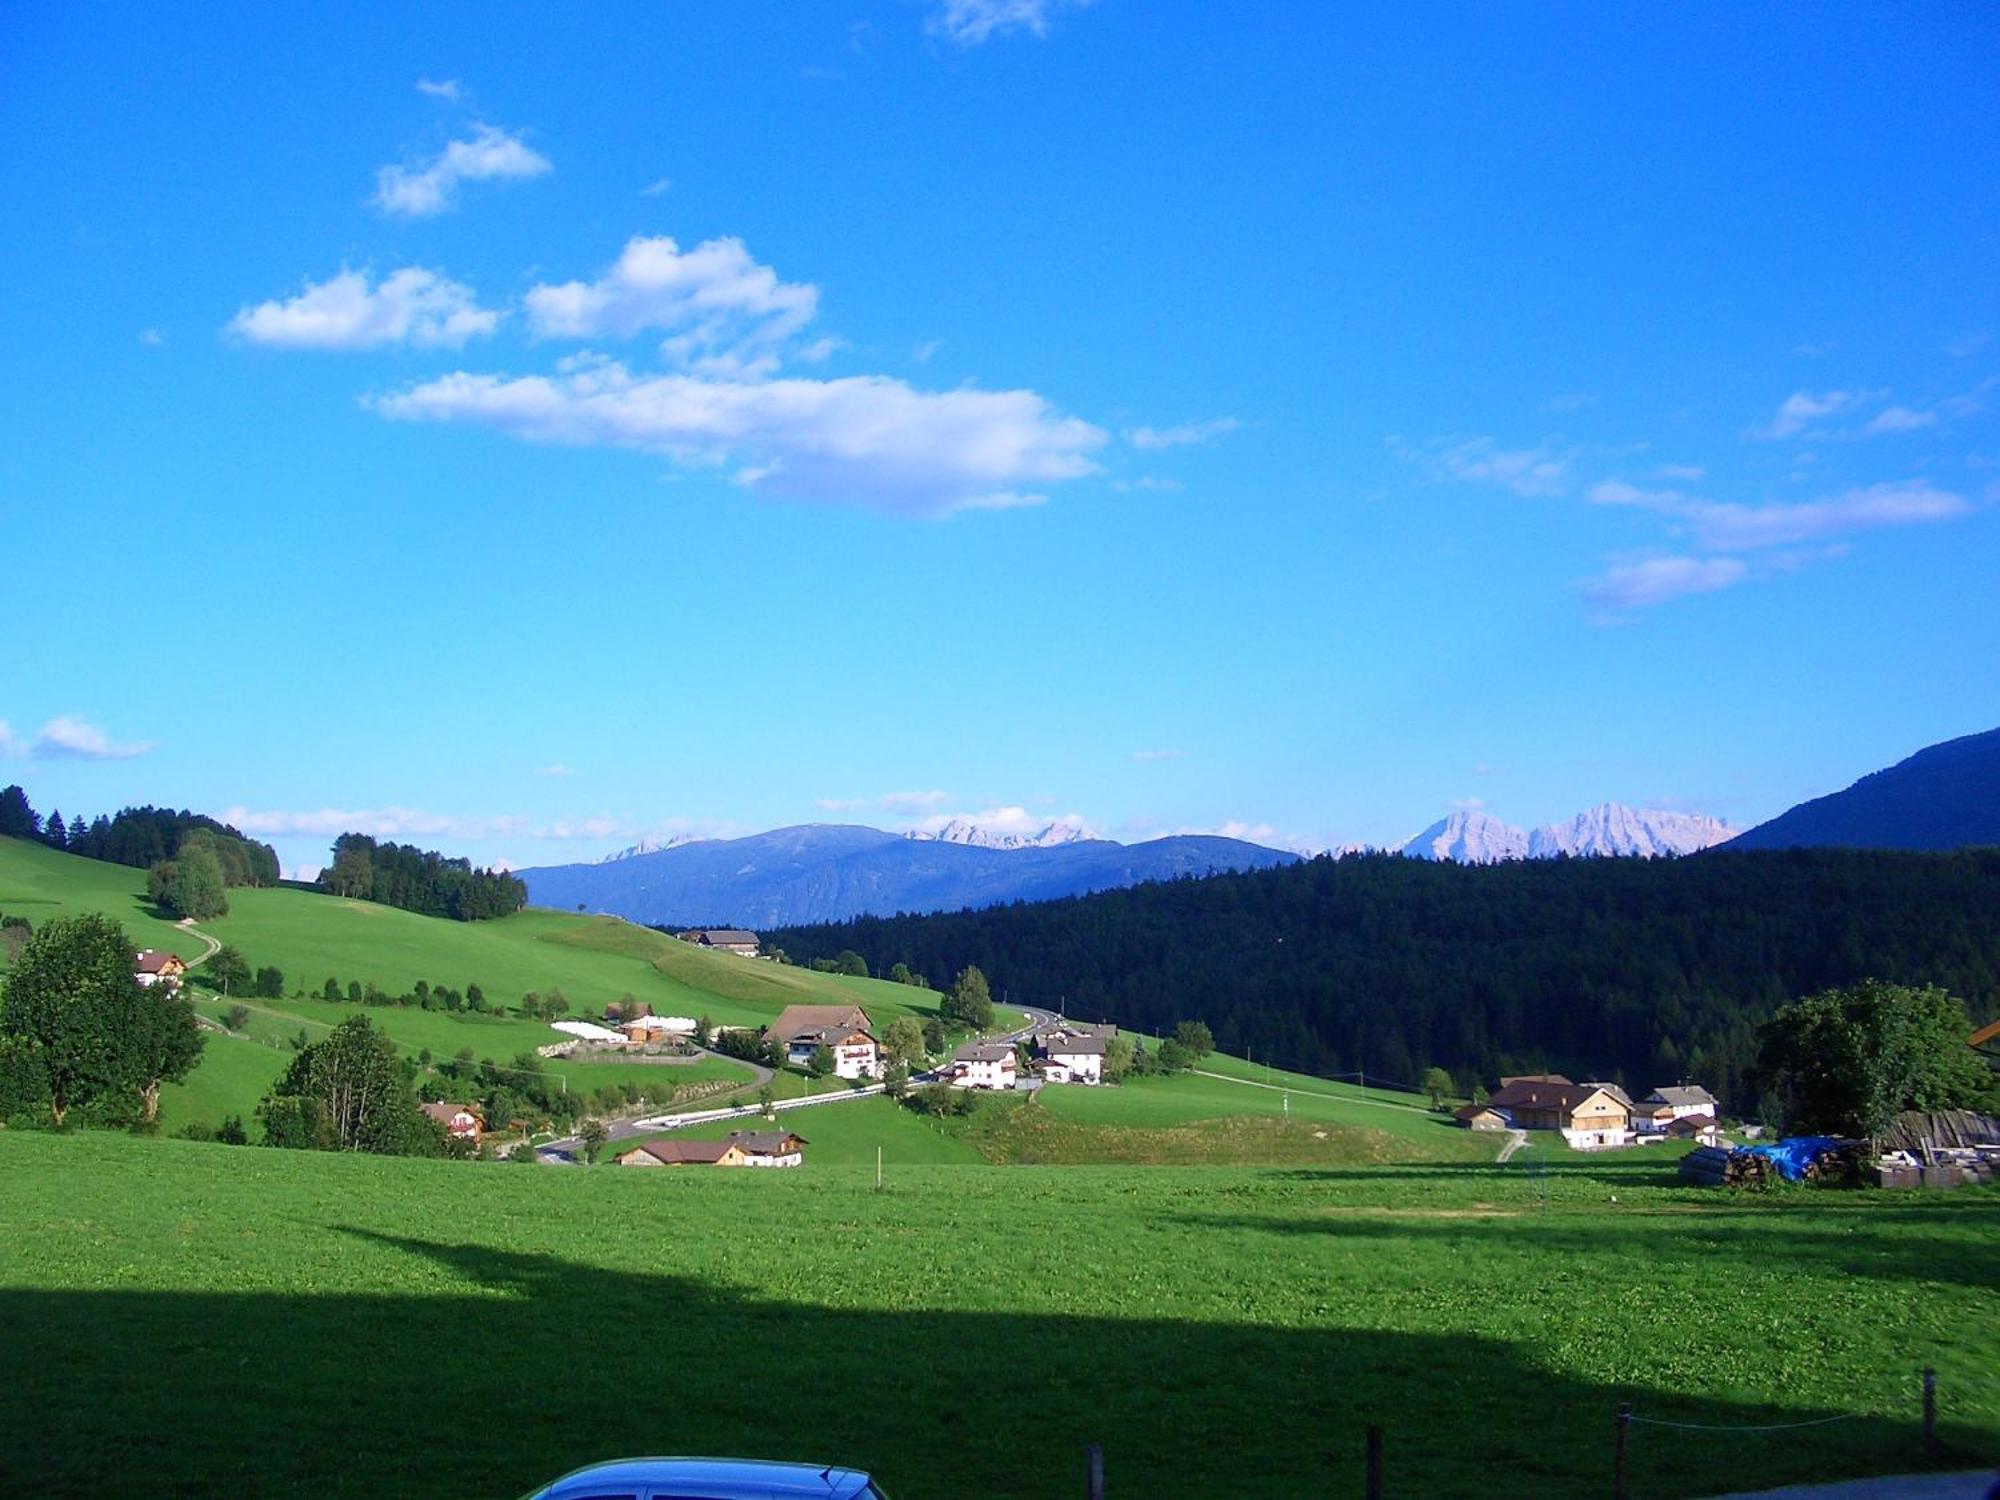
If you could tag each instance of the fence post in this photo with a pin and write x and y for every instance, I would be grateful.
(1374, 1462)
(1093, 1472)
(1930, 1415)
(1618, 1487)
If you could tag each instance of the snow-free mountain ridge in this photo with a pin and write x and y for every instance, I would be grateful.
(1946, 796)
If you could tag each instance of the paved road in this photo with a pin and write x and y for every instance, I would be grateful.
(563, 1151)
(1516, 1139)
(186, 924)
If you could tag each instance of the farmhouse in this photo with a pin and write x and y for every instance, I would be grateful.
(460, 1121)
(1589, 1115)
(1701, 1129)
(150, 967)
(1682, 1100)
(1072, 1059)
(1481, 1117)
(842, 1029)
(769, 1148)
(684, 1154)
(728, 939)
(983, 1065)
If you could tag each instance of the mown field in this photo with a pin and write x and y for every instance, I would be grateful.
(593, 960)
(241, 1321)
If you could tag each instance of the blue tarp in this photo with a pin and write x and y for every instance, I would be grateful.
(1794, 1154)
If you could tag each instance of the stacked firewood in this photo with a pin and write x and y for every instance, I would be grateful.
(1717, 1166)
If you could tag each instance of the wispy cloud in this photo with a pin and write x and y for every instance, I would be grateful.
(395, 822)
(1536, 472)
(447, 89)
(724, 311)
(1570, 401)
(430, 187)
(656, 187)
(410, 306)
(152, 337)
(866, 441)
(1187, 435)
(1971, 344)
(971, 22)
(1729, 526)
(1147, 756)
(557, 769)
(1899, 419)
(1655, 580)
(69, 738)
(1801, 409)
(12, 747)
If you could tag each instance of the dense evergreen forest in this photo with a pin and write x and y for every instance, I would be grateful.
(140, 836)
(1639, 971)
(419, 880)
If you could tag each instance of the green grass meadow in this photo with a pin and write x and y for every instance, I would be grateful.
(593, 960)
(216, 1320)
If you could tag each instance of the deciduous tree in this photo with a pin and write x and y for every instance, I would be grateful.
(68, 998)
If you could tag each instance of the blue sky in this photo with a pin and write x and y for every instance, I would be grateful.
(521, 438)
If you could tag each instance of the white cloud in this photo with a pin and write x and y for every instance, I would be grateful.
(1570, 401)
(656, 187)
(971, 22)
(394, 822)
(867, 441)
(1970, 345)
(1655, 580)
(924, 351)
(1148, 483)
(1537, 471)
(1188, 434)
(1802, 408)
(1017, 822)
(1899, 419)
(557, 769)
(724, 311)
(413, 306)
(1687, 473)
(490, 154)
(1145, 757)
(447, 89)
(1727, 526)
(69, 738)
(11, 745)
(152, 337)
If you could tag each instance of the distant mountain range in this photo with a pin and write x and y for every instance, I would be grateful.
(1944, 797)
(1472, 837)
(828, 872)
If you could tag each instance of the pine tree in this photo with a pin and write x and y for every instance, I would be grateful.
(54, 834)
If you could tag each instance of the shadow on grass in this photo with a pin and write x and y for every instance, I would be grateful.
(515, 1367)
(1852, 1240)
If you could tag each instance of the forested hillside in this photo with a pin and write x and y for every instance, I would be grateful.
(1644, 970)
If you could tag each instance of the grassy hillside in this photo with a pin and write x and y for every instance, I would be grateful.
(311, 937)
(166, 1309)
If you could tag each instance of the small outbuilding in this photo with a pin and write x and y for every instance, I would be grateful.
(1482, 1117)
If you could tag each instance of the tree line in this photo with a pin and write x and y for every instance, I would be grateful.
(141, 837)
(1642, 971)
(419, 880)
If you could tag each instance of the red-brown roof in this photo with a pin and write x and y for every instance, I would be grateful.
(445, 1113)
(153, 961)
(685, 1153)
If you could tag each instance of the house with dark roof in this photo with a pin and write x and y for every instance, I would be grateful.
(1070, 1058)
(728, 939)
(1482, 1117)
(684, 1154)
(1591, 1116)
(770, 1148)
(460, 1121)
(983, 1065)
(1683, 1100)
(843, 1030)
(151, 966)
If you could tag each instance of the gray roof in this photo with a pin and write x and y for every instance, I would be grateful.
(727, 935)
(1681, 1093)
(982, 1052)
(1076, 1046)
